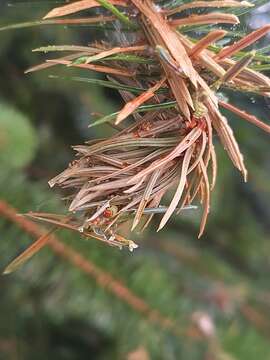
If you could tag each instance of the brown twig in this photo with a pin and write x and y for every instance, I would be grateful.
(102, 278)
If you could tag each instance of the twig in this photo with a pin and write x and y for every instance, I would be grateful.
(102, 278)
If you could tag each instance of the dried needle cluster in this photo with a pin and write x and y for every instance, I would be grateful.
(169, 82)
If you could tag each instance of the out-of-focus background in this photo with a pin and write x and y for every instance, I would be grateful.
(183, 298)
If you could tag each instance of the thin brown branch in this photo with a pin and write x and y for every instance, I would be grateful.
(102, 278)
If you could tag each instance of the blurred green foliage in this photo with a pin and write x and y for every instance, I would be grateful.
(49, 309)
(18, 139)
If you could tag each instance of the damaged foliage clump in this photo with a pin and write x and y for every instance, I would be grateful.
(168, 70)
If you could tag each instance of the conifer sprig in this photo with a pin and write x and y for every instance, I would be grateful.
(172, 97)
